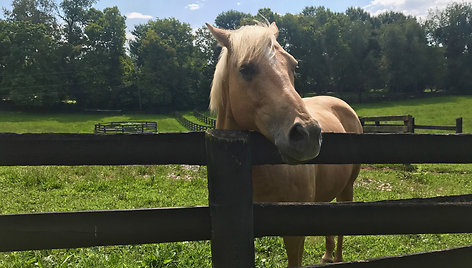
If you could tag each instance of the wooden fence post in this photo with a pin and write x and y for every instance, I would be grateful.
(459, 125)
(410, 124)
(229, 161)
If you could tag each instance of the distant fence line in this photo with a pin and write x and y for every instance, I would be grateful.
(205, 119)
(370, 124)
(403, 124)
(126, 127)
(191, 125)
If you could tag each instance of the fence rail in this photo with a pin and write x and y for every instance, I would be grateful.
(405, 124)
(461, 258)
(126, 127)
(158, 225)
(191, 125)
(189, 148)
(205, 119)
(229, 156)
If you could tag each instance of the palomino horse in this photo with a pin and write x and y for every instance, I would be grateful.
(253, 89)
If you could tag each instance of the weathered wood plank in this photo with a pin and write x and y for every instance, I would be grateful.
(99, 228)
(435, 127)
(415, 216)
(117, 227)
(100, 149)
(386, 118)
(344, 148)
(459, 257)
(189, 148)
(385, 129)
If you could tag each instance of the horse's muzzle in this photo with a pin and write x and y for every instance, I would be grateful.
(302, 143)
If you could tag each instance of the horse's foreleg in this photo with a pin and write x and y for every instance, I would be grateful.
(295, 247)
(328, 256)
(345, 196)
(339, 250)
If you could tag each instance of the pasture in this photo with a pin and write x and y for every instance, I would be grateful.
(34, 189)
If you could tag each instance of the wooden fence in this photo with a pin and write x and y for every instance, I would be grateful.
(205, 119)
(126, 127)
(191, 125)
(373, 124)
(232, 220)
(401, 124)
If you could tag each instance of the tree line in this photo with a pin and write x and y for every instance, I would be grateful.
(73, 55)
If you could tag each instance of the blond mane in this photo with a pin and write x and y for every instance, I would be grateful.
(247, 44)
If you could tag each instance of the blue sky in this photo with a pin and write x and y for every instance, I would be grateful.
(197, 12)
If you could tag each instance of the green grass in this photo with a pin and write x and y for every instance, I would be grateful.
(23, 122)
(441, 111)
(48, 188)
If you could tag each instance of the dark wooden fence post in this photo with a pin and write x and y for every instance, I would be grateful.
(410, 122)
(459, 125)
(229, 161)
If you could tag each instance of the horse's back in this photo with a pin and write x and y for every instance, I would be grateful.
(333, 114)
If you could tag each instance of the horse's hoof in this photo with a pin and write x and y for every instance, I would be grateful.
(324, 261)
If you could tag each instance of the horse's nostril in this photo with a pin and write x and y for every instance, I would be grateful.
(297, 133)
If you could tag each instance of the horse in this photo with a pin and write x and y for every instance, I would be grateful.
(253, 89)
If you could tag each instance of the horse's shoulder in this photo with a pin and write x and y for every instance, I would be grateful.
(333, 113)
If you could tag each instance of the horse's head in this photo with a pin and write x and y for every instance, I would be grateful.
(253, 89)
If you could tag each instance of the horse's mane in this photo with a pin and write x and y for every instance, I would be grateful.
(248, 44)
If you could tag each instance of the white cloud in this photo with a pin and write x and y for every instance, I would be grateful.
(137, 15)
(193, 6)
(238, 3)
(418, 8)
(130, 36)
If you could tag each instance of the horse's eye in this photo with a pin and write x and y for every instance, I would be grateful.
(247, 71)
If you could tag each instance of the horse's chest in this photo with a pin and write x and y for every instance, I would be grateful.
(284, 183)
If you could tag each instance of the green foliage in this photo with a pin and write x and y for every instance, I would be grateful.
(169, 66)
(405, 56)
(33, 11)
(27, 54)
(104, 62)
(231, 19)
(452, 29)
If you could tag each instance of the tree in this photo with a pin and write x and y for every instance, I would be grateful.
(206, 55)
(33, 11)
(230, 19)
(75, 14)
(29, 72)
(363, 72)
(322, 50)
(404, 50)
(163, 52)
(452, 29)
(103, 60)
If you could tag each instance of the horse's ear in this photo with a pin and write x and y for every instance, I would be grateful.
(274, 29)
(221, 35)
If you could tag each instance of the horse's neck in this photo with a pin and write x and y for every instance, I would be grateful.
(225, 119)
